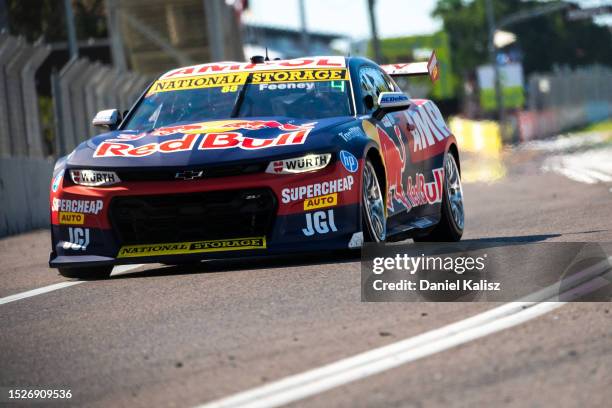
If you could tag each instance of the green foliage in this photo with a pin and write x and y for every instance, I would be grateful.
(605, 126)
(514, 97)
(46, 18)
(402, 49)
(546, 41)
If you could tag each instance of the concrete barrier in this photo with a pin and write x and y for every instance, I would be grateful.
(24, 194)
(480, 148)
(482, 137)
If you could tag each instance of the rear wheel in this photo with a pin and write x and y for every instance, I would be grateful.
(450, 227)
(92, 273)
(374, 218)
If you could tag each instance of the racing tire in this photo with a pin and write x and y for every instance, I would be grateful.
(451, 225)
(93, 273)
(374, 219)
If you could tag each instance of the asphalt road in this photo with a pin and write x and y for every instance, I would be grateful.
(172, 336)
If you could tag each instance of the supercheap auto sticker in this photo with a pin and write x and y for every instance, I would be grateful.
(195, 247)
(228, 80)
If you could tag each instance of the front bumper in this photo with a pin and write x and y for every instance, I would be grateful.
(311, 212)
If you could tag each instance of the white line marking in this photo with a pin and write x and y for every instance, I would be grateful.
(598, 174)
(123, 269)
(46, 289)
(39, 291)
(375, 361)
(590, 167)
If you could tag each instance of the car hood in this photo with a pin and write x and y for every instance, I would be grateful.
(208, 143)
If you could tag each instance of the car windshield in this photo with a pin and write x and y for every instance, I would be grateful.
(300, 94)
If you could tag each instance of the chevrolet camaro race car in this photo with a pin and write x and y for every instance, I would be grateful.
(245, 159)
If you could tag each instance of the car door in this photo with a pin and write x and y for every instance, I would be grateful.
(395, 139)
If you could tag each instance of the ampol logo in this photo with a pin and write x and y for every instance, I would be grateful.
(428, 129)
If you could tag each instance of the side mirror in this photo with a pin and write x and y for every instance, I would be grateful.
(110, 118)
(391, 102)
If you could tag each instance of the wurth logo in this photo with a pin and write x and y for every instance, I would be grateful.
(278, 166)
(310, 162)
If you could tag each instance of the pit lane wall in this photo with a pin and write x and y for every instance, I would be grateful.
(24, 194)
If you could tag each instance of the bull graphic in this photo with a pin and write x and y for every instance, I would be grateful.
(395, 163)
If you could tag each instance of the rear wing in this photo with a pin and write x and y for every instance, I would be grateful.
(430, 68)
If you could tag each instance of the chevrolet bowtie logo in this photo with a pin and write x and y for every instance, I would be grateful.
(189, 174)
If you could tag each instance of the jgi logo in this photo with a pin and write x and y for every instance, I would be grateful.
(78, 239)
(320, 222)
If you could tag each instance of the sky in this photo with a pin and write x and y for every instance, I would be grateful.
(395, 18)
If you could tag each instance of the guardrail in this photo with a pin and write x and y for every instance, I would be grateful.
(20, 133)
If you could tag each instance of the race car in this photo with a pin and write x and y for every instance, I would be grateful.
(233, 159)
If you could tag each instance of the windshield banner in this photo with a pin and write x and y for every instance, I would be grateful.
(230, 81)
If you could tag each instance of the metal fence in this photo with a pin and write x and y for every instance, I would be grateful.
(83, 88)
(564, 100)
(20, 133)
(569, 88)
(80, 89)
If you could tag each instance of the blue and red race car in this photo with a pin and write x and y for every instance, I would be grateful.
(268, 157)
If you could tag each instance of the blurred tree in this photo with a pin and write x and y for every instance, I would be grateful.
(36, 18)
(545, 41)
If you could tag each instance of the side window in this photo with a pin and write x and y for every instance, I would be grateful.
(372, 83)
(391, 83)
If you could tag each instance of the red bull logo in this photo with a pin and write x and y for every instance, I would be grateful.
(208, 141)
(421, 193)
(415, 192)
(230, 126)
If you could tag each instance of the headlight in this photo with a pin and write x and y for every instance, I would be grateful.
(302, 164)
(94, 178)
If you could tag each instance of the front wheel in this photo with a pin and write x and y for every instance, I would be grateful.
(450, 227)
(373, 205)
(92, 273)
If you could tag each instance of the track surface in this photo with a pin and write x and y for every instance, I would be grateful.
(170, 336)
